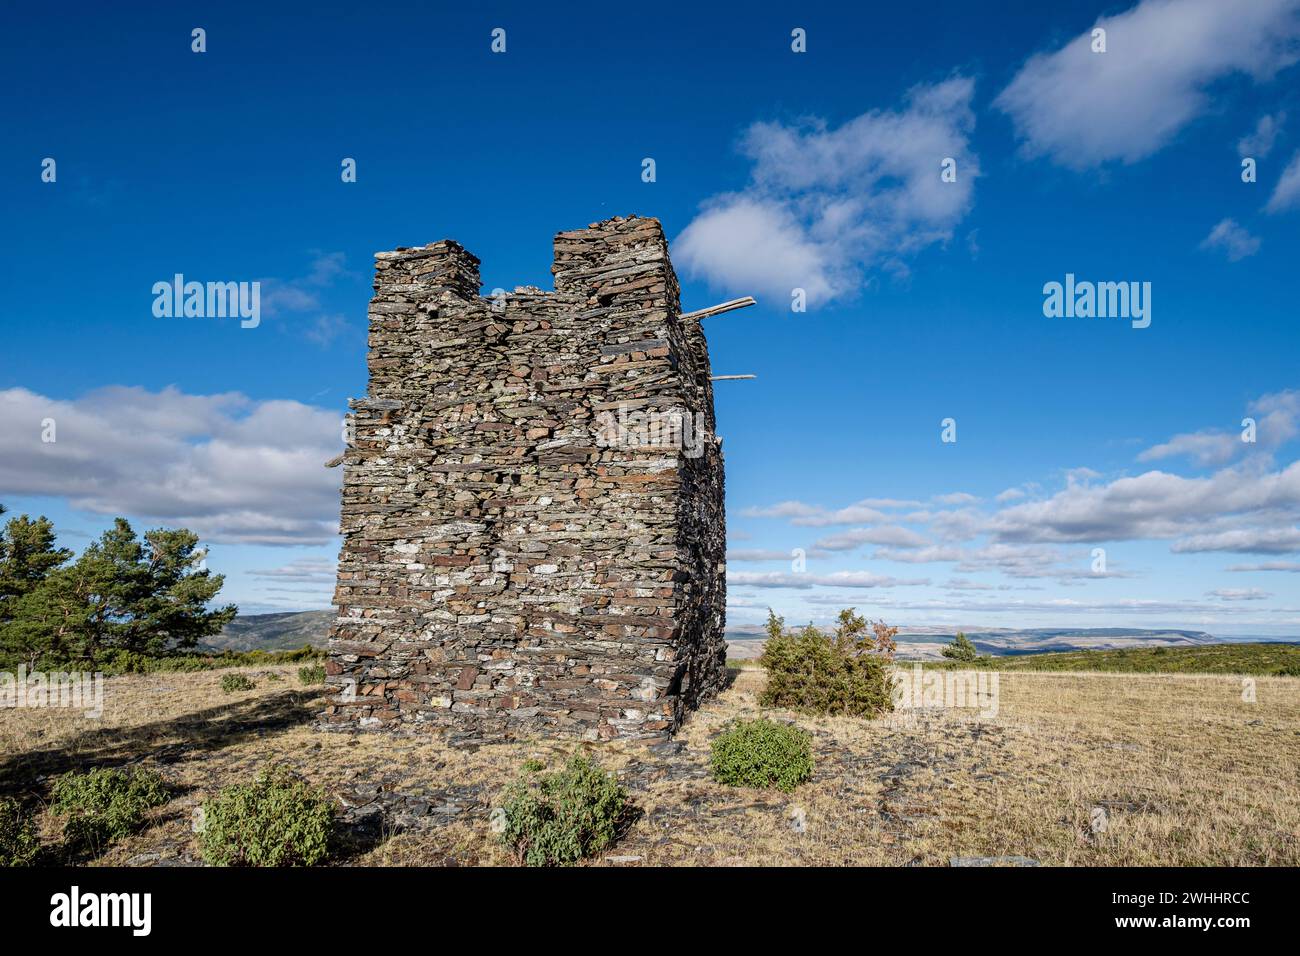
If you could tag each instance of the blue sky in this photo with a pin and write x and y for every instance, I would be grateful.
(774, 170)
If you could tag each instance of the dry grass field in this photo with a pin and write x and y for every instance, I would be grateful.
(1187, 772)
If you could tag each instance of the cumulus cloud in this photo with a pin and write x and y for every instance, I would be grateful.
(1277, 421)
(1083, 109)
(1243, 540)
(1259, 143)
(225, 466)
(815, 516)
(1246, 503)
(1292, 566)
(1204, 447)
(803, 581)
(1055, 608)
(825, 205)
(956, 498)
(302, 570)
(964, 584)
(1248, 507)
(757, 554)
(1013, 560)
(895, 535)
(1232, 240)
(1286, 194)
(783, 509)
(1158, 505)
(1239, 594)
(928, 555)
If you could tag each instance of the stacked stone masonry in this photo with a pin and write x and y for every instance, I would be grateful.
(512, 565)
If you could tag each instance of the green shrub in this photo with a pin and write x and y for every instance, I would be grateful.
(277, 820)
(18, 843)
(105, 804)
(556, 819)
(312, 674)
(846, 674)
(236, 682)
(961, 649)
(762, 753)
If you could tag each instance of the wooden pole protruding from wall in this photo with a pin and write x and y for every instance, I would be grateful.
(719, 308)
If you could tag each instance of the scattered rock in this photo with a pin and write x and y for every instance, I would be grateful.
(992, 861)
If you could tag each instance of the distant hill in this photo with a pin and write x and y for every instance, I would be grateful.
(925, 643)
(1008, 642)
(1272, 658)
(291, 630)
(273, 632)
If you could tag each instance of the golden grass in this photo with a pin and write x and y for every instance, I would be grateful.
(1188, 772)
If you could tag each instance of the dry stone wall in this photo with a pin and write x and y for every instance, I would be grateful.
(532, 511)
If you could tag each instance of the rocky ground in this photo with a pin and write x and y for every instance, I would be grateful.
(1182, 770)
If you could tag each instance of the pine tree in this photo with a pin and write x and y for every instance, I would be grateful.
(961, 649)
(120, 595)
(27, 555)
(28, 559)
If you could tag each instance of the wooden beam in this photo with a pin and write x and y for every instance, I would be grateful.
(719, 309)
(729, 378)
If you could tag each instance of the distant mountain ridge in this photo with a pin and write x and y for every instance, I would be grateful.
(925, 643)
(290, 630)
(285, 631)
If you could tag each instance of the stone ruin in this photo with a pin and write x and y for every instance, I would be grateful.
(533, 519)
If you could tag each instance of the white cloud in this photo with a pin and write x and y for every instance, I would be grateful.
(815, 516)
(757, 554)
(826, 205)
(1292, 566)
(741, 242)
(1159, 505)
(918, 556)
(1018, 561)
(956, 498)
(1239, 594)
(1234, 241)
(1205, 448)
(963, 584)
(1025, 534)
(1286, 194)
(895, 535)
(1277, 421)
(783, 509)
(304, 570)
(1054, 608)
(1243, 541)
(225, 466)
(1083, 109)
(803, 581)
(1259, 143)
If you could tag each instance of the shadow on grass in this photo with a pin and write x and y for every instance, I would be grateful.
(165, 741)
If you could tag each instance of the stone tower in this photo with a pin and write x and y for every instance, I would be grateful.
(533, 513)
